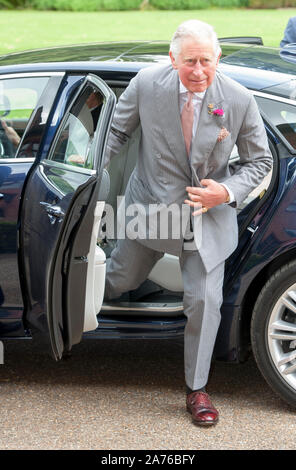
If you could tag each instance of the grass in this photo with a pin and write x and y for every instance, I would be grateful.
(27, 29)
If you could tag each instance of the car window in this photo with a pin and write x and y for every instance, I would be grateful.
(18, 99)
(282, 115)
(75, 138)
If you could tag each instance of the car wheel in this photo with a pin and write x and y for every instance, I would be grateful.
(273, 332)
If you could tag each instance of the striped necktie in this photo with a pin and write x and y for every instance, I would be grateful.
(187, 120)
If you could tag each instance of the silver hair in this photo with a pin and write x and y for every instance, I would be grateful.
(197, 30)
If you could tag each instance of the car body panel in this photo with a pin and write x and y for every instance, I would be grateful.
(131, 56)
(57, 217)
(13, 175)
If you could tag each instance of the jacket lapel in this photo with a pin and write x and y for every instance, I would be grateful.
(167, 102)
(208, 129)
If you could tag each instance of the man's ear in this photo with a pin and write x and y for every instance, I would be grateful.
(173, 61)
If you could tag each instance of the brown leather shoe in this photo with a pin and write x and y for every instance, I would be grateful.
(202, 410)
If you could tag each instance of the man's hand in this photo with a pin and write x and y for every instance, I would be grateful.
(11, 134)
(211, 195)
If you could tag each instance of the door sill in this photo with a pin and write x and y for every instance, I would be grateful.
(149, 309)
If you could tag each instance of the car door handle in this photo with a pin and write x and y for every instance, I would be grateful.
(54, 212)
(253, 229)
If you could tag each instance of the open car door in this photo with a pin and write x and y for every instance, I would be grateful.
(63, 269)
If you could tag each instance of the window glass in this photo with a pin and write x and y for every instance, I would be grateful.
(76, 136)
(18, 98)
(282, 115)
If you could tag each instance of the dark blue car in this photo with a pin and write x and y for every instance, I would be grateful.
(56, 106)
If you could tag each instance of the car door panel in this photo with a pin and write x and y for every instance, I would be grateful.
(96, 270)
(68, 268)
(60, 217)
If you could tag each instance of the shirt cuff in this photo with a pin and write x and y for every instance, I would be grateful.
(230, 193)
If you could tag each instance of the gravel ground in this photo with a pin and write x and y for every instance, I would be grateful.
(116, 395)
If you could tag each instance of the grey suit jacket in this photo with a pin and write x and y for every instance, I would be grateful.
(163, 169)
(290, 32)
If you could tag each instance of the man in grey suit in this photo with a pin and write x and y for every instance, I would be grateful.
(290, 32)
(191, 116)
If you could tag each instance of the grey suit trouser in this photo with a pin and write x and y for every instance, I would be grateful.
(130, 265)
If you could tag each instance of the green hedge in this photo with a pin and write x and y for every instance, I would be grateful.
(194, 4)
(179, 4)
(271, 3)
(13, 4)
(86, 5)
(228, 3)
(73, 5)
(105, 5)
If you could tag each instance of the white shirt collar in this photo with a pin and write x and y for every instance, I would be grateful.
(183, 89)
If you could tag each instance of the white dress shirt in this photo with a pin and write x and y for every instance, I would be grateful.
(197, 100)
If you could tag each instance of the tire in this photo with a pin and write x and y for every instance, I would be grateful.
(273, 332)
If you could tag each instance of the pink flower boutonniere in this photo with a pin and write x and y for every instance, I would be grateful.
(216, 112)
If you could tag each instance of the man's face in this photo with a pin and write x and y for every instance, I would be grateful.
(196, 64)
